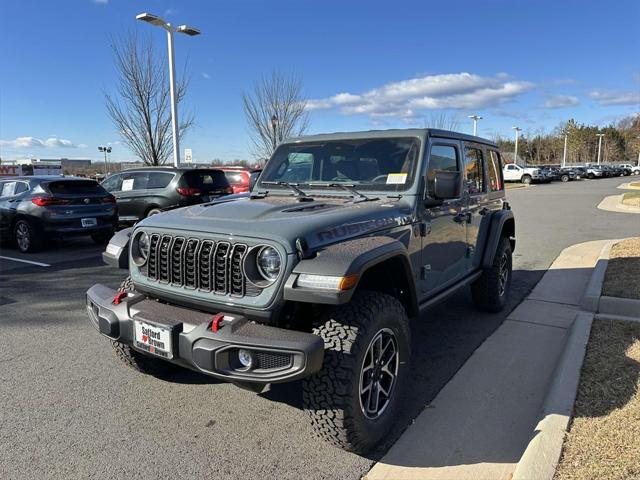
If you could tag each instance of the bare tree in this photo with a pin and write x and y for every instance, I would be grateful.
(140, 109)
(443, 121)
(276, 109)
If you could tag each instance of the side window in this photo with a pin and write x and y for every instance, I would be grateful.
(511, 167)
(442, 158)
(21, 187)
(159, 179)
(113, 183)
(474, 169)
(7, 189)
(495, 172)
(134, 181)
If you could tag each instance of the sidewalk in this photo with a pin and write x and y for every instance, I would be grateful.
(481, 422)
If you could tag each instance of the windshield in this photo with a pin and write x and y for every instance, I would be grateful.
(387, 164)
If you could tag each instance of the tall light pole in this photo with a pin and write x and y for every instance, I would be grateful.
(599, 135)
(515, 154)
(475, 119)
(106, 164)
(564, 153)
(187, 30)
(274, 126)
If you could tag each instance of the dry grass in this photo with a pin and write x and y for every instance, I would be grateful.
(622, 278)
(604, 440)
(631, 199)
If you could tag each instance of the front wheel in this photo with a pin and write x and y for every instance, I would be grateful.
(354, 400)
(564, 178)
(490, 292)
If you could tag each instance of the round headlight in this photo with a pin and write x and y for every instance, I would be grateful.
(140, 248)
(269, 262)
(143, 245)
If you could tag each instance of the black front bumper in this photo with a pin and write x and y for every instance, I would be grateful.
(280, 355)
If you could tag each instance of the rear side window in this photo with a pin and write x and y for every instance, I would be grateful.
(21, 187)
(495, 172)
(70, 187)
(474, 169)
(206, 180)
(234, 178)
(159, 179)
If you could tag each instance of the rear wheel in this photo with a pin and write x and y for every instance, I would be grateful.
(26, 237)
(136, 360)
(353, 401)
(526, 179)
(153, 211)
(491, 290)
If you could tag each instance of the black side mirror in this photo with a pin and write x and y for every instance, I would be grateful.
(442, 185)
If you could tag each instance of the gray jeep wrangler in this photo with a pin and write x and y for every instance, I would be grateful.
(317, 272)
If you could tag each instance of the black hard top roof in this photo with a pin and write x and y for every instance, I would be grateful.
(401, 132)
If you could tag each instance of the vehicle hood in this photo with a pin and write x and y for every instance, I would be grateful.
(284, 219)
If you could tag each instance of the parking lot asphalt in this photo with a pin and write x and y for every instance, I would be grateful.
(71, 410)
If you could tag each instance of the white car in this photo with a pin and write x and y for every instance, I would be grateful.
(635, 169)
(516, 173)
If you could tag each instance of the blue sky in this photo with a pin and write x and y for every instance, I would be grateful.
(365, 64)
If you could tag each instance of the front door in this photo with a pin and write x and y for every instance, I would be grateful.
(444, 245)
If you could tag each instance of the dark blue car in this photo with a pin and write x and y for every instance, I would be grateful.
(37, 207)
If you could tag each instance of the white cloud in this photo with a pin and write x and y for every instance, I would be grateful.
(616, 98)
(404, 98)
(206, 76)
(170, 11)
(560, 101)
(31, 142)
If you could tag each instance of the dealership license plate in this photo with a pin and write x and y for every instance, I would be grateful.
(88, 222)
(153, 339)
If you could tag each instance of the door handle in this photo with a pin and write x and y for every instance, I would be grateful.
(484, 211)
(462, 217)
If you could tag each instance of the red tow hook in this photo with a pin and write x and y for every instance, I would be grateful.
(117, 298)
(215, 323)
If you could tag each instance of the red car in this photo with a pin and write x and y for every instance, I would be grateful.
(241, 179)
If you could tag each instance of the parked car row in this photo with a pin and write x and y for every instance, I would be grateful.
(547, 173)
(36, 208)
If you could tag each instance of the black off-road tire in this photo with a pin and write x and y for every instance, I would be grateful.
(491, 291)
(526, 179)
(331, 397)
(136, 360)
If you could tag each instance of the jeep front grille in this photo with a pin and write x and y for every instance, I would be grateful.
(199, 264)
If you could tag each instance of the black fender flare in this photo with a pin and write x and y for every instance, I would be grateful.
(348, 258)
(489, 236)
(117, 252)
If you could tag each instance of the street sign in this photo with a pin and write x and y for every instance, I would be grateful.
(188, 155)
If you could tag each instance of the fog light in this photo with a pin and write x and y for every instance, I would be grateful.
(245, 358)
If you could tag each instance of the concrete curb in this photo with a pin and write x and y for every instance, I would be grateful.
(542, 455)
(628, 186)
(594, 301)
(613, 203)
(591, 297)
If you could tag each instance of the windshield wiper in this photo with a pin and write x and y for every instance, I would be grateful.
(349, 187)
(292, 186)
